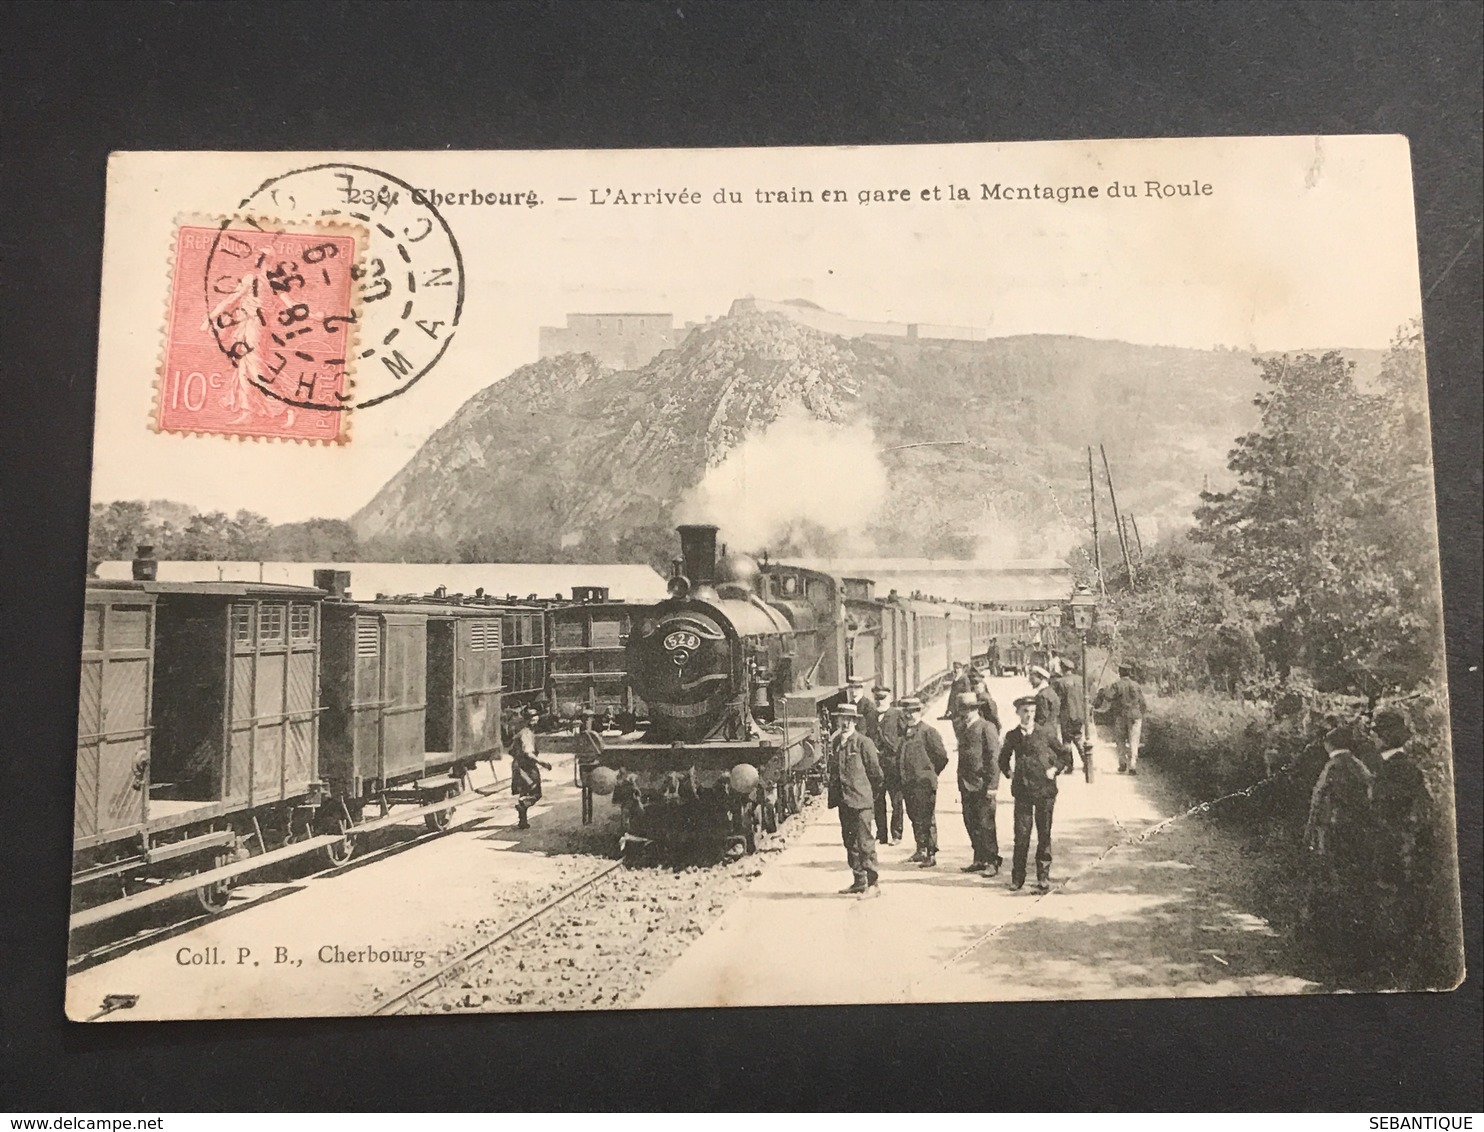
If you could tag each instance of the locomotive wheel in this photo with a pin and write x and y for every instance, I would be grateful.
(339, 852)
(214, 897)
(770, 817)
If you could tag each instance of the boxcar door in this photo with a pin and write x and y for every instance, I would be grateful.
(366, 700)
(113, 719)
(477, 687)
(404, 687)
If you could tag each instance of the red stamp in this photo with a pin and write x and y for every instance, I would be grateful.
(259, 331)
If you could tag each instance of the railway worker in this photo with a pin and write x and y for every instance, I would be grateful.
(1048, 703)
(891, 725)
(1068, 689)
(959, 685)
(1400, 808)
(1126, 705)
(526, 766)
(978, 780)
(865, 704)
(923, 759)
(1032, 757)
(992, 659)
(855, 779)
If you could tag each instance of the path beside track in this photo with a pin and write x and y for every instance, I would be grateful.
(1161, 916)
(432, 901)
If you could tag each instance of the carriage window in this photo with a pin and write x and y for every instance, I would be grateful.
(242, 624)
(270, 624)
(128, 627)
(607, 634)
(301, 622)
(513, 634)
(535, 631)
(484, 636)
(569, 635)
(790, 585)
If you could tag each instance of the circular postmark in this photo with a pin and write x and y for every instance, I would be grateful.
(406, 292)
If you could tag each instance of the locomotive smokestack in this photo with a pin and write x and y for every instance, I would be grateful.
(698, 549)
(145, 566)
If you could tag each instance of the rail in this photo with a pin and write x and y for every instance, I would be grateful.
(476, 958)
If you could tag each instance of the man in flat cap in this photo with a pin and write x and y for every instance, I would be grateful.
(1033, 757)
(1125, 701)
(1068, 688)
(855, 777)
(958, 685)
(978, 780)
(855, 693)
(1048, 703)
(923, 758)
(890, 723)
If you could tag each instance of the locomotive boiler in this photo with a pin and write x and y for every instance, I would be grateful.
(733, 667)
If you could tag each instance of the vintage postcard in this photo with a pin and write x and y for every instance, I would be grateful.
(593, 580)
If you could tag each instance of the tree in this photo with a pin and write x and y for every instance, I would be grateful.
(1328, 530)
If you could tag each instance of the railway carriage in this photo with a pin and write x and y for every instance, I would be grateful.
(587, 668)
(224, 721)
(198, 715)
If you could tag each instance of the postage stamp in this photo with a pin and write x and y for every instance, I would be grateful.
(410, 284)
(260, 330)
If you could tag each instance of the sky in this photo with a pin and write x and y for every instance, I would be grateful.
(1298, 243)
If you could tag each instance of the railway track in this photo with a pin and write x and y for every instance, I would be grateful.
(475, 959)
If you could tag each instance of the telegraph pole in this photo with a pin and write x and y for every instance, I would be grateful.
(1097, 548)
(1117, 518)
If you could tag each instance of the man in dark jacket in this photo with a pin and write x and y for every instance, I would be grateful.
(1125, 700)
(923, 759)
(1400, 808)
(1068, 689)
(1033, 756)
(1048, 703)
(978, 779)
(855, 777)
(890, 725)
(864, 704)
(958, 685)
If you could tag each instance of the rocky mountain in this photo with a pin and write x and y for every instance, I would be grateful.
(959, 448)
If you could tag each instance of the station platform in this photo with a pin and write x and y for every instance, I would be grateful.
(1125, 918)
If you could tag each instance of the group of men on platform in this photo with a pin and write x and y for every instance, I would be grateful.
(884, 755)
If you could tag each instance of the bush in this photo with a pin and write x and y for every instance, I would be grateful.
(1213, 745)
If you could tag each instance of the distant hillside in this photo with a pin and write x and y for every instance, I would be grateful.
(932, 448)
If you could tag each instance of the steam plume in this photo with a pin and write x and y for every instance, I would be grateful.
(800, 486)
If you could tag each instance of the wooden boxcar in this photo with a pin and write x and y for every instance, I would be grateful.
(586, 642)
(197, 719)
(410, 690)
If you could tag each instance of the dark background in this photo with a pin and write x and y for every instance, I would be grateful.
(80, 81)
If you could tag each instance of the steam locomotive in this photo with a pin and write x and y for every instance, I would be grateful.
(739, 668)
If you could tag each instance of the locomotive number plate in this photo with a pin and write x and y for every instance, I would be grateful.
(683, 640)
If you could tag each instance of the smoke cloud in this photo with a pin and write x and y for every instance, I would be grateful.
(799, 486)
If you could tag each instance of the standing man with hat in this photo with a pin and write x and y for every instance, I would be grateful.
(957, 687)
(891, 725)
(1125, 701)
(855, 693)
(978, 780)
(923, 758)
(1048, 703)
(1033, 756)
(526, 766)
(1068, 689)
(855, 779)
(1400, 807)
